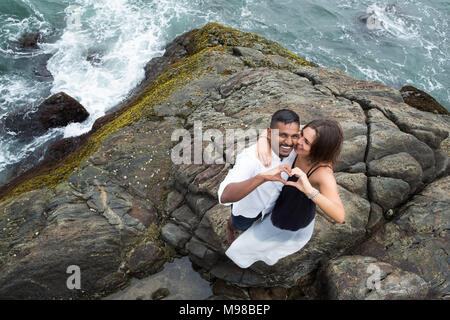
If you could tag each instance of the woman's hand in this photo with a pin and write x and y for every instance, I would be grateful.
(263, 150)
(328, 199)
(302, 183)
(275, 173)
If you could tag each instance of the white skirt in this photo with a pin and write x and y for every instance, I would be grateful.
(263, 241)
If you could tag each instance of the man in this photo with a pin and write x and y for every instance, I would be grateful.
(251, 187)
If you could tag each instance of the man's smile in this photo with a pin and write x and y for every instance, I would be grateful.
(286, 148)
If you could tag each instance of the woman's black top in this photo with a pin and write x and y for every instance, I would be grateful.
(293, 209)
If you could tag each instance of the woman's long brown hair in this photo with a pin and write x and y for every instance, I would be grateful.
(327, 145)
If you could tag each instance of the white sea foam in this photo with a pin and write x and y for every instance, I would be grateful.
(13, 28)
(17, 90)
(10, 153)
(121, 36)
(35, 11)
(392, 21)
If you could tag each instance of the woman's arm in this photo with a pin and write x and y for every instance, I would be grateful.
(263, 150)
(328, 198)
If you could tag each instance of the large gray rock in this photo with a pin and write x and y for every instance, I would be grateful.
(175, 235)
(354, 182)
(93, 220)
(386, 139)
(428, 127)
(400, 166)
(418, 241)
(365, 278)
(185, 217)
(388, 192)
(35, 266)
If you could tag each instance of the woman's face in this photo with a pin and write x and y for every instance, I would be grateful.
(306, 139)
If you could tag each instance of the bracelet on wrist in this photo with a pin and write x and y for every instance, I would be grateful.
(313, 194)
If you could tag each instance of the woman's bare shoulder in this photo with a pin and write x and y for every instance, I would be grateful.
(324, 175)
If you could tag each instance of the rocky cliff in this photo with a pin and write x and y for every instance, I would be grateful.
(118, 207)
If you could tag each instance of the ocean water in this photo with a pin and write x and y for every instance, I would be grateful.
(96, 50)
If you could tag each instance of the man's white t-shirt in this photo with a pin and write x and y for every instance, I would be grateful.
(263, 198)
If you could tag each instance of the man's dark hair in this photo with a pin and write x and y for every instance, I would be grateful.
(284, 115)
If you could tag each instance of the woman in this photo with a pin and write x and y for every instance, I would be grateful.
(290, 225)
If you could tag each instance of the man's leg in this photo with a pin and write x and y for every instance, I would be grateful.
(236, 224)
(231, 231)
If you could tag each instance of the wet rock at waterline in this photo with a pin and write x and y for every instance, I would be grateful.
(40, 70)
(372, 22)
(57, 111)
(125, 192)
(29, 40)
(421, 100)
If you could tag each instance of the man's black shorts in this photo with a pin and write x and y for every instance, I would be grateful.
(242, 223)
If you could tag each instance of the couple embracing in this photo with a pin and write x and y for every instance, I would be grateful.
(275, 185)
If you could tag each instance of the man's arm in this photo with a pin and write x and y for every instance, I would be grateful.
(236, 191)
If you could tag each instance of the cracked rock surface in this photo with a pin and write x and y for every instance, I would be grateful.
(127, 205)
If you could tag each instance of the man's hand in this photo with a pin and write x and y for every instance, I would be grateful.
(275, 174)
(236, 191)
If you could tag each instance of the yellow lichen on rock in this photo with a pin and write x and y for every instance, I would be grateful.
(214, 34)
